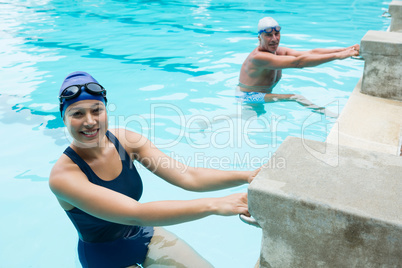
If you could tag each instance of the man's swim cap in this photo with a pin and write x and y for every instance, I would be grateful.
(78, 78)
(265, 23)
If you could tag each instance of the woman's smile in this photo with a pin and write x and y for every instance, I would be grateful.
(90, 133)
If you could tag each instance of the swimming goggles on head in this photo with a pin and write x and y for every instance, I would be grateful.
(75, 90)
(270, 29)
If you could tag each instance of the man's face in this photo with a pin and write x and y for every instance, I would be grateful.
(270, 41)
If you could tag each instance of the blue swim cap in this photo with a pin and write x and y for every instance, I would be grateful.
(78, 78)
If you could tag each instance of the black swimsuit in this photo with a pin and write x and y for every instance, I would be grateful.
(103, 243)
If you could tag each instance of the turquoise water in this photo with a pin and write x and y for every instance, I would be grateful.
(170, 68)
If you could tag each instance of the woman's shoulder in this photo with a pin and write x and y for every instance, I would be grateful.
(131, 141)
(121, 133)
(62, 165)
(67, 181)
(64, 171)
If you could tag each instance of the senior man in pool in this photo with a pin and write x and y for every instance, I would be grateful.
(262, 69)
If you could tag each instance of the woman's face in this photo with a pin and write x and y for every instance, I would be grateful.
(86, 122)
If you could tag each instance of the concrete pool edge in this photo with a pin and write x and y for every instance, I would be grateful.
(369, 123)
(337, 203)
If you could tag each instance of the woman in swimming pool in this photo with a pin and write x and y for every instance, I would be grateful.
(98, 186)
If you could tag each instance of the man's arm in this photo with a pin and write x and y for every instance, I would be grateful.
(289, 58)
(292, 52)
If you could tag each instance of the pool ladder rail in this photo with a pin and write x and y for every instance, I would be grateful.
(386, 14)
(357, 57)
(249, 220)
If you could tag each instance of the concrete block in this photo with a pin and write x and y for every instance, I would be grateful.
(395, 9)
(382, 75)
(329, 206)
(369, 123)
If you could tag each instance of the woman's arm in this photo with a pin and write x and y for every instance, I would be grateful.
(189, 178)
(71, 186)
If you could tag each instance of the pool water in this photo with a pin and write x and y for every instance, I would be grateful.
(170, 68)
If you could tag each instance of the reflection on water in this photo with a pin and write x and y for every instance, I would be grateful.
(18, 113)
